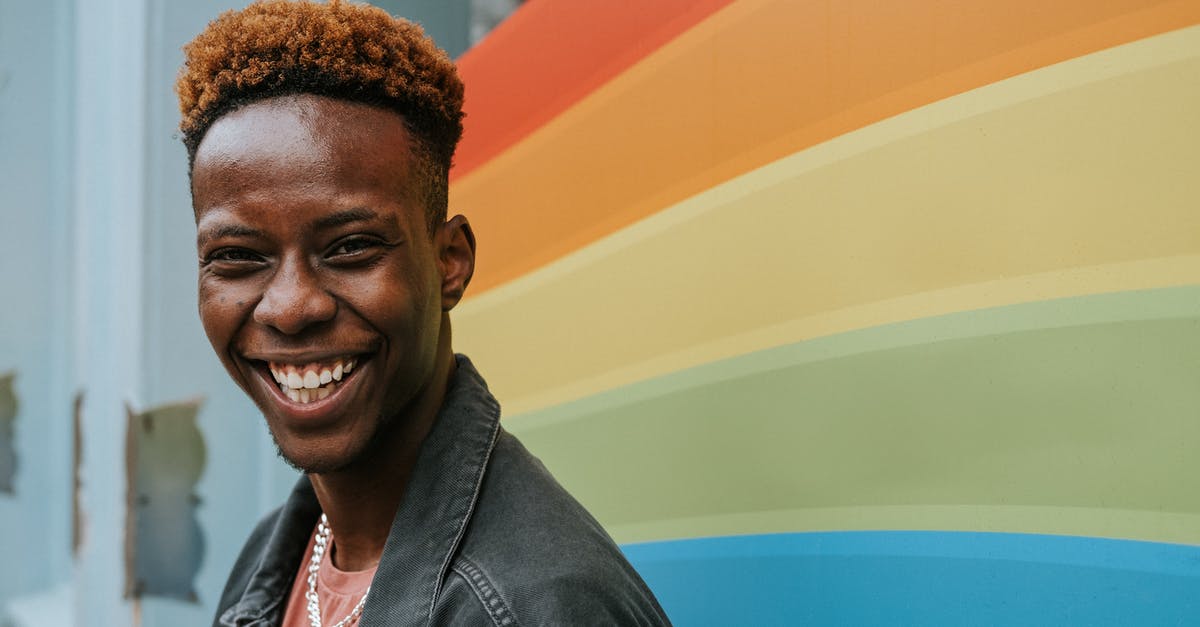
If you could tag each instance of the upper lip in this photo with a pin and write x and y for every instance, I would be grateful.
(301, 357)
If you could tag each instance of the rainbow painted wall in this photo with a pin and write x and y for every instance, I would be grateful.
(853, 312)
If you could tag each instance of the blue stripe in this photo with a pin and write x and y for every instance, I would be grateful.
(921, 578)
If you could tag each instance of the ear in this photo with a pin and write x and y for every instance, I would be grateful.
(456, 259)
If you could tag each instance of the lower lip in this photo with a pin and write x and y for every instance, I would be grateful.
(313, 411)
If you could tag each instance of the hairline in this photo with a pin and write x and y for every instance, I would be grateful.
(433, 190)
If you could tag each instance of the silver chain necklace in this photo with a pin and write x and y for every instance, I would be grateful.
(320, 543)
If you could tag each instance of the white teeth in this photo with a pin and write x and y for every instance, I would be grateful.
(307, 395)
(308, 383)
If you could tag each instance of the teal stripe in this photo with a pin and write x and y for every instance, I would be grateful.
(921, 578)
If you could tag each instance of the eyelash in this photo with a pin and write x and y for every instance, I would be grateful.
(232, 255)
(363, 244)
(243, 257)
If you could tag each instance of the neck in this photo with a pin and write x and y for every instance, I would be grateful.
(361, 500)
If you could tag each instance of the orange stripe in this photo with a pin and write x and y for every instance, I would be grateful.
(548, 55)
(754, 83)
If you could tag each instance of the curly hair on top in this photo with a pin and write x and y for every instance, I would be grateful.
(342, 50)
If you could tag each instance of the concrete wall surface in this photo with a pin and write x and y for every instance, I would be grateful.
(97, 298)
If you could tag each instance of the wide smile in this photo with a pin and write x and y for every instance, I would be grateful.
(314, 389)
(308, 383)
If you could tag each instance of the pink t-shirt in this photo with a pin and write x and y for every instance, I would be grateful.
(338, 591)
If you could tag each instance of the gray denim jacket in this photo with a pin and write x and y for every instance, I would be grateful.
(483, 536)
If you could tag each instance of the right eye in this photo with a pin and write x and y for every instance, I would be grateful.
(231, 260)
(234, 254)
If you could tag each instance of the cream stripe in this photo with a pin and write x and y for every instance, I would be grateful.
(1070, 180)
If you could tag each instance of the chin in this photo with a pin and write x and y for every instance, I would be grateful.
(308, 466)
(317, 459)
(323, 454)
(314, 464)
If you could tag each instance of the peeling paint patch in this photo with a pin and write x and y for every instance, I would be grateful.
(164, 458)
(8, 418)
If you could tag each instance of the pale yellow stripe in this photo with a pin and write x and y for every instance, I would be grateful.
(1148, 274)
(1071, 180)
(1073, 521)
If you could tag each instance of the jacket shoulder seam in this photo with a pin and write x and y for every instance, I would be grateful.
(485, 591)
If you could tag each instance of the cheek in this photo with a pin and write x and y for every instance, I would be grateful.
(397, 299)
(405, 311)
(220, 308)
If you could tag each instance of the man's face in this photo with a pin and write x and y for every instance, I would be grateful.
(320, 288)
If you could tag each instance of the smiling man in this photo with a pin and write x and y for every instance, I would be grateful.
(319, 139)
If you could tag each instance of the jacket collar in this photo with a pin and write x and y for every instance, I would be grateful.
(427, 529)
(437, 504)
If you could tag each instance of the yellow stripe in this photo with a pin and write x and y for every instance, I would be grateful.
(1073, 179)
(1148, 274)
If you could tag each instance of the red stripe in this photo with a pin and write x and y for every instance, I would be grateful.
(548, 55)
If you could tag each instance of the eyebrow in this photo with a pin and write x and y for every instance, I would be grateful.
(333, 220)
(226, 230)
(348, 216)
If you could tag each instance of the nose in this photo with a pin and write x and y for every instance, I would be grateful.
(294, 299)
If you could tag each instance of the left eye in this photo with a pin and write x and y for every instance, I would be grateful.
(351, 247)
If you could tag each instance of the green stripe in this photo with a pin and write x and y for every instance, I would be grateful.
(1089, 402)
(1156, 526)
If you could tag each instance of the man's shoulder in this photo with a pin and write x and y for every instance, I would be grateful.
(533, 554)
(518, 490)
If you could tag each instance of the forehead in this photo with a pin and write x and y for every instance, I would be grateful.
(303, 142)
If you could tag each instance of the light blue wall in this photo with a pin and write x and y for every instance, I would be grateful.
(446, 21)
(97, 293)
(35, 243)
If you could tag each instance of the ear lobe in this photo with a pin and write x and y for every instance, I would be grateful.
(456, 258)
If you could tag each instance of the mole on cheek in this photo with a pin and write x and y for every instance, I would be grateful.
(241, 303)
